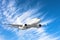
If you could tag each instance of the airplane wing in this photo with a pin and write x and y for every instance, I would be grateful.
(14, 25)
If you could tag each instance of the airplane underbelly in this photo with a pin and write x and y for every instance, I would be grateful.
(29, 26)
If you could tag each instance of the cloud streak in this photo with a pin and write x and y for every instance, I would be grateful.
(30, 34)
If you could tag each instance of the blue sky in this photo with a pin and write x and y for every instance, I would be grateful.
(18, 11)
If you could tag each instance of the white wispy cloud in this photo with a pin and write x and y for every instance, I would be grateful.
(46, 36)
(31, 33)
(43, 16)
(46, 22)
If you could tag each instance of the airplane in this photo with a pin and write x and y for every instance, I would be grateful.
(31, 23)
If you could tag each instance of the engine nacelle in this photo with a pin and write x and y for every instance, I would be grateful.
(25, 24)
(40, 25)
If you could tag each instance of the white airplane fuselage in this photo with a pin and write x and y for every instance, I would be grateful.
(32, 23)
